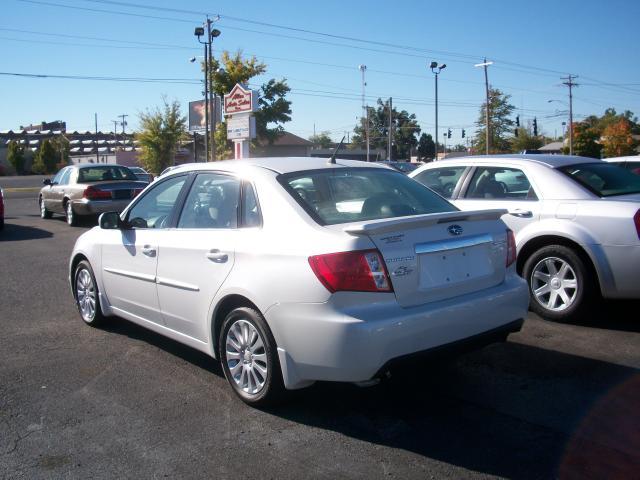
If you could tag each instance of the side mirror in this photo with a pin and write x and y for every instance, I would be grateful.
(110, 221)
(46, 181)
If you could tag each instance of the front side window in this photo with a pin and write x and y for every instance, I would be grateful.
(500, 183)
(212, 202)
(56, 179)
(64, 180)
(154, 208)
(603, 179)
(357, 194)
(441, 180)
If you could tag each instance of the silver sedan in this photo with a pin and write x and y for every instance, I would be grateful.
(576, 220)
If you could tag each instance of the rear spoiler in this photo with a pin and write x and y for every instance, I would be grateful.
(386, 225)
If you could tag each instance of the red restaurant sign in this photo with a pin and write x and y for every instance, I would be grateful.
(239, 100)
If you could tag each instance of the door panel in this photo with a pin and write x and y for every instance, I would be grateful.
(196, 257)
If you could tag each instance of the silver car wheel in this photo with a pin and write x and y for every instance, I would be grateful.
(86, 295)
(554, 284)
(70, 218)
(43, 209)
(246, 357)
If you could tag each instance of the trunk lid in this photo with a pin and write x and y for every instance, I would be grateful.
(119, 189)
(439, 256)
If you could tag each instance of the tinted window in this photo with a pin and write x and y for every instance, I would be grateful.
(64, 180)
(604, 179)
(104, 173)
(153, 209)
(212, 202)
(501, 183)
(356, 194)
(441, 180)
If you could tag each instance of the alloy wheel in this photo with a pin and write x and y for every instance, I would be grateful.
(86, 295)
(246, 357)
(554, 284)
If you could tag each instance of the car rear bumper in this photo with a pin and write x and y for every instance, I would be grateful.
(95, 207)
(356, 335)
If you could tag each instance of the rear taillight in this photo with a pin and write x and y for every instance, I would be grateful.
(511, 247)
(93, 193)
(359, 271)
(636, 220)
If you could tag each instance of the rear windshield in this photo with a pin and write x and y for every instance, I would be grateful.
(356, 194)
(604, 179)
(98, 174)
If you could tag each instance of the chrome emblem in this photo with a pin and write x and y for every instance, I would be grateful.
(455, 229)
(402, 271)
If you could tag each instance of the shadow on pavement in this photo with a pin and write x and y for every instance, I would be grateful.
(510, 410)
(13, 233)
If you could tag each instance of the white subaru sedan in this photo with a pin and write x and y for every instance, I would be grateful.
(296, 270)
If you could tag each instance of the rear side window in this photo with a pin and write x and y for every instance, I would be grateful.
(357, 194)
(603, 179)
(105, 173)
(500, 183)
(441, 180)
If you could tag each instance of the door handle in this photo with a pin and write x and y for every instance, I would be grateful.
(519, 212)
(217, 256)
(149, 251)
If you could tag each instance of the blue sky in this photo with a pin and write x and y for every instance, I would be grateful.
(532, 44)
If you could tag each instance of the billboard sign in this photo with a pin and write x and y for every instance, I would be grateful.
(197, 116)
(241, 127)
(240, 100)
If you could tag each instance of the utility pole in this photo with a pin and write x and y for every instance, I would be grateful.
(95, 116)
(209, 61)
(123, 122)
(363, 68)
(570, 83)
(390, 140)
(115, 134)
(485, 64)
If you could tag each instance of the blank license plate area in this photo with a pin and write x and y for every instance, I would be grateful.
(120, 194)
(451, 267)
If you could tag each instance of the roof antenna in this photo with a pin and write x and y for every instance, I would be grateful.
(333, 157)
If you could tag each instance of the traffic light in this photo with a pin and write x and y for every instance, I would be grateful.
(448, 133)
(517, 121)
(463, 133)
(535, 127)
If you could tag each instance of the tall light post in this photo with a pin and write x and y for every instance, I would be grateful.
(436, 69)
(485, 64)
(210, 35)
(365, 110)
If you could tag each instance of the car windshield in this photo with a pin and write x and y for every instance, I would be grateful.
(604, 179)
(104, 173)
(356, 194)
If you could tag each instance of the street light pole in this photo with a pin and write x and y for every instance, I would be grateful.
(485, 64)
(436, 71)
(199, 32)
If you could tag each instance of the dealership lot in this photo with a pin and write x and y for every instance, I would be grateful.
(556, 400)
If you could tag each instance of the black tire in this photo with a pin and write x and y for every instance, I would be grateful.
(44, 211)
(80, 286)
(70, 214)
(541, 265)
(272, 388)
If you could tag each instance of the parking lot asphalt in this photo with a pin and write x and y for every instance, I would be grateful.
(555, 401)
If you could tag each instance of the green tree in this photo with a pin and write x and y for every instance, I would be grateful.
(526, 141)
(321, 140)
(62, 148)
(500, 123)
(585, 140)
(274, 108)
(162, 129)
(405, 130)
(426, 147)
(15, 156)
(46, 158)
